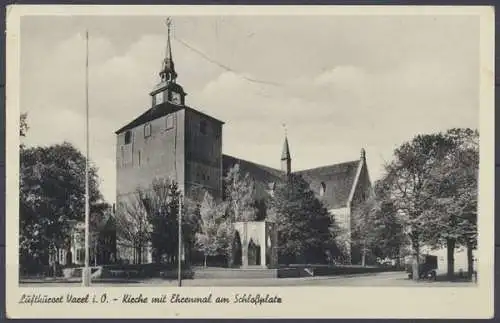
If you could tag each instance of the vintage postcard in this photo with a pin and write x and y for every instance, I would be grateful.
(229, 161)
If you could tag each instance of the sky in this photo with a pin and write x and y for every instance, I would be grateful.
(339, 83)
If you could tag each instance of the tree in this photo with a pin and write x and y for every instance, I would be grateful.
(150, 216)
(163, 212)
(407, 181)
(240, 195)
(304, 225)
(133, 228)
(210, 240)
(376, 226)
(452, 213)
(52, 190)
(191, 217)
(240, 198)
(97, 223)
(23, 125)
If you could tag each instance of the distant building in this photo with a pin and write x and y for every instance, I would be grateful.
(173, 141)
(102, 249)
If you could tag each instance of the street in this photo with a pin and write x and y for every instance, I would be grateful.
(394, 279)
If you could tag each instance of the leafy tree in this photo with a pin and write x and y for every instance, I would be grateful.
(407, 181)
(304, 225)
(133, 229)
(191, 218)
(52, 190)
(150, 217)
(23, 125)
(240, 195)
(97, 223)
(210, 239)
(376, 227)
(240, 203)
(452, 213)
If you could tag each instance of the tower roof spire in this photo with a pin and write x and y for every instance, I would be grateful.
(285, 154)
(168, 69)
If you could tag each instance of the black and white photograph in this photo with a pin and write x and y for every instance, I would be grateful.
(163, 149)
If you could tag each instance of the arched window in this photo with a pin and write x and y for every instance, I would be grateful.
(322, 189)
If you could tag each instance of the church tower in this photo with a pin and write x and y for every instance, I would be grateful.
(286, 160)
(168, 90)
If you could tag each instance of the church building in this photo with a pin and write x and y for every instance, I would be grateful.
(171, 140)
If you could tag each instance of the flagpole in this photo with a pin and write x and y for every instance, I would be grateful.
(179, 237)
(86, 271)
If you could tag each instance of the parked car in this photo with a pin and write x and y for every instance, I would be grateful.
(427, 267)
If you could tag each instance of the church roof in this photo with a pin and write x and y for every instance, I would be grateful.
(159, 111)
(264, 177)
(338, 180)
(258, 172)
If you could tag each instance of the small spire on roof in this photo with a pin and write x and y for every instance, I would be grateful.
(285, 154)
(363, 153)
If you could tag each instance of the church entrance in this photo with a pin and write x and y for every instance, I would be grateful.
(237, 250)
(253, 254)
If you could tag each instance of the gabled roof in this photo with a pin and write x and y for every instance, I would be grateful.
(258, 172)
(338, 180)
(159, 111)
(264, 177)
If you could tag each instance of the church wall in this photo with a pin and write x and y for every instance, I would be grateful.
(203, 153)
(147, 158)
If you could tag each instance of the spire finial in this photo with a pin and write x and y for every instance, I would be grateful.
(168, 70)
(285, 129)
(168, 23)
(363, 153)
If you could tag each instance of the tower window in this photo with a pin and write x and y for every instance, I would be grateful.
(139, 157)
(158, 98)
(147, 130)
(322, 189)
(203, 127)
(128, 137)
(170, 122)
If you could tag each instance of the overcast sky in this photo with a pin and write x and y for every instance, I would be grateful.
(342, 83)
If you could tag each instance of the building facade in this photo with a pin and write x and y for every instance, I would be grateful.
(173, 141)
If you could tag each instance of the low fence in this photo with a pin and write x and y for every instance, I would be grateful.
(292, 271)
(168, 271)
(165, 271)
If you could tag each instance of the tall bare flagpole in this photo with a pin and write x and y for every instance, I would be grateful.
(179, 260)
(86, 271)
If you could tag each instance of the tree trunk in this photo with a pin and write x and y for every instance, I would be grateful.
(205, 262)
(363, 256)
(470, 261)
(450, 246)
(139, 255)
(416, 261)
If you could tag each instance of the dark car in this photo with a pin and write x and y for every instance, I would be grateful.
(427, 267)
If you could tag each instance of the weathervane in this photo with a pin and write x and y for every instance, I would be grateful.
(284, 128)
